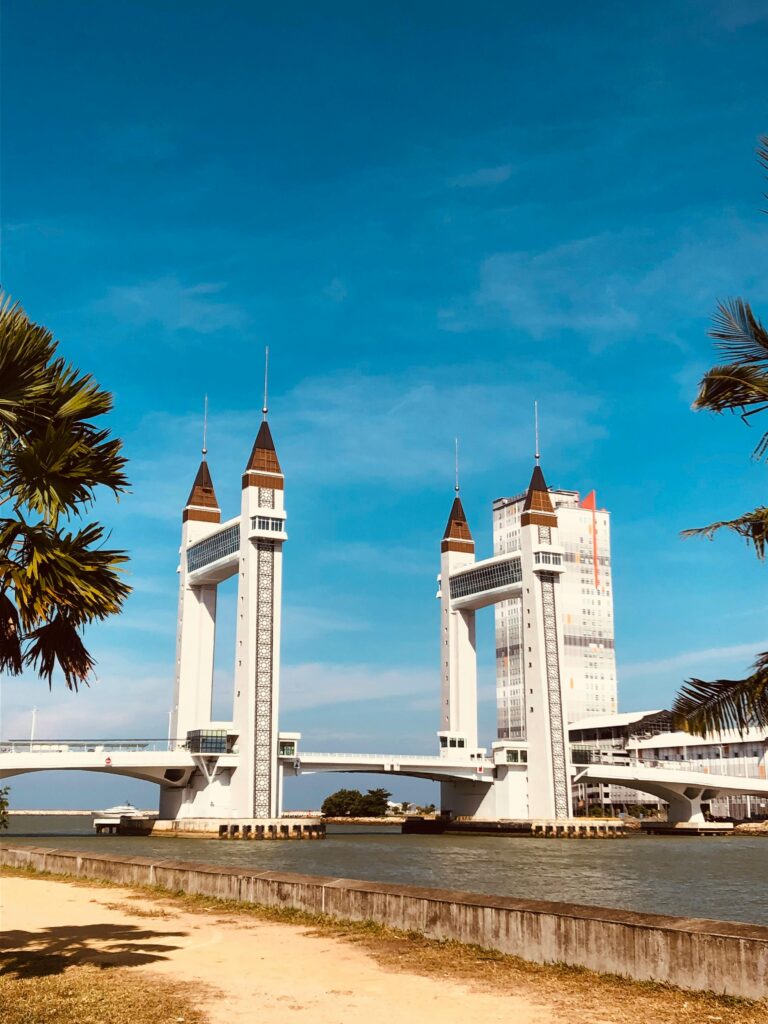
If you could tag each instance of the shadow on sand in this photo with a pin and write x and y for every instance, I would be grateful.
(51, 950)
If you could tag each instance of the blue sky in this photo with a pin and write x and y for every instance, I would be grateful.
(433, 214)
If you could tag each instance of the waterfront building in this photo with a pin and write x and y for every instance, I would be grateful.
(585, 608)
(644, 737)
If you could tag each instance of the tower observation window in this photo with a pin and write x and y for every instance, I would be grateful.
(547, 558)
(266, 523)
(487, 577)
(225, 542)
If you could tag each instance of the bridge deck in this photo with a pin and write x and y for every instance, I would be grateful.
(635, 776)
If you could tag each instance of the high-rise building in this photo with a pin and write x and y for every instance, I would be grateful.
(585, 607)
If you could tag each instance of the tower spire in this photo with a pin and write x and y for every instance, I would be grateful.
(263, 457)
(537, 454)
(456, 486)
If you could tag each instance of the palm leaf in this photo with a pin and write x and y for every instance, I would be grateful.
(66, 573)
(740, 335)
(732, 386)
(736, 386)
(58, 642)
(56, 470)
(705, 707)
(10, 641)
(753, 526)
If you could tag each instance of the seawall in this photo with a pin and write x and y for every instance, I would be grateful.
(723, 957)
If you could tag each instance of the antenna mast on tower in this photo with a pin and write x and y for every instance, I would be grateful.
(264, 408)
(456, 445)
(537, 454)
(205, 426)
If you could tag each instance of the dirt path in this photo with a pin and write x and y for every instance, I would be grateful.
(255, 970)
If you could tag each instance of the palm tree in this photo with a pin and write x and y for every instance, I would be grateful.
(55, 575)
(738, 384)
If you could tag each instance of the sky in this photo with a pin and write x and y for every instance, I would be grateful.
(433, 214)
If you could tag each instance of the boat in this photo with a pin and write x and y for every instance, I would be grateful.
(109, 820)
(126, 810)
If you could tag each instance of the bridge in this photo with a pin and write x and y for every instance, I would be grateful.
(419, 766)
(171, 763)
(235, 768)
(149, 760)
(684, 789)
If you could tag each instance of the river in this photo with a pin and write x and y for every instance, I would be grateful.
(724, 878)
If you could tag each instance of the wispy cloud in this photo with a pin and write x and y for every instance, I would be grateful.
(361, 428)
(173, 305)
(306, 623)
(688, 663)
(400, 560)
(312, 685)
(483, 176)
(129, 702)
(615, 285)
(336, 290)
(737, 14)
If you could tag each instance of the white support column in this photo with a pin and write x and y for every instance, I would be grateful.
(542, 643)
(458, 655)
(196, 621)
(255, 788)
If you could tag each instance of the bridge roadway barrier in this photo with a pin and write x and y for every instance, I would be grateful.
(723, 957)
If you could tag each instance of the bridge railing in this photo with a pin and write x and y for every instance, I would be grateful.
(431, 759)
(734, 767)
(101, 746)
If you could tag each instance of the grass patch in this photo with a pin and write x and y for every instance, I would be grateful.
(575, 994)
(127, 908)
(86, 994)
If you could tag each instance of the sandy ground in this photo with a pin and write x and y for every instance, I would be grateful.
(255, 970)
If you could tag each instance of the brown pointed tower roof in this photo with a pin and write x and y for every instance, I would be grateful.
(457, 536)
(202, 504)
(537, 507)
(263, 462)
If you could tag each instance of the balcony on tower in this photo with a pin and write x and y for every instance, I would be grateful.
(268, 525)
(547, 558)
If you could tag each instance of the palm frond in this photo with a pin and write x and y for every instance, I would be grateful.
(762, 156)
(76, 395)
(56, 470)
(65, 573)
(705, 707)
(739, 333)
(753, 526)
(10, 640)
(732, 386)
(25, 352)
(58, 642)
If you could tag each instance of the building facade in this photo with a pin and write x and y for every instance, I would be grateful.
(644, 738)
(586, 612)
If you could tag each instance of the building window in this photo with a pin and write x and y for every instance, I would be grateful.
(225, 542)
(488, 577)
(266, 523)
(207, 741)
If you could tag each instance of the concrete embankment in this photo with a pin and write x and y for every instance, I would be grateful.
(723, 957)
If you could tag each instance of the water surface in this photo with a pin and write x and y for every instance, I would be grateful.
(720, 878)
